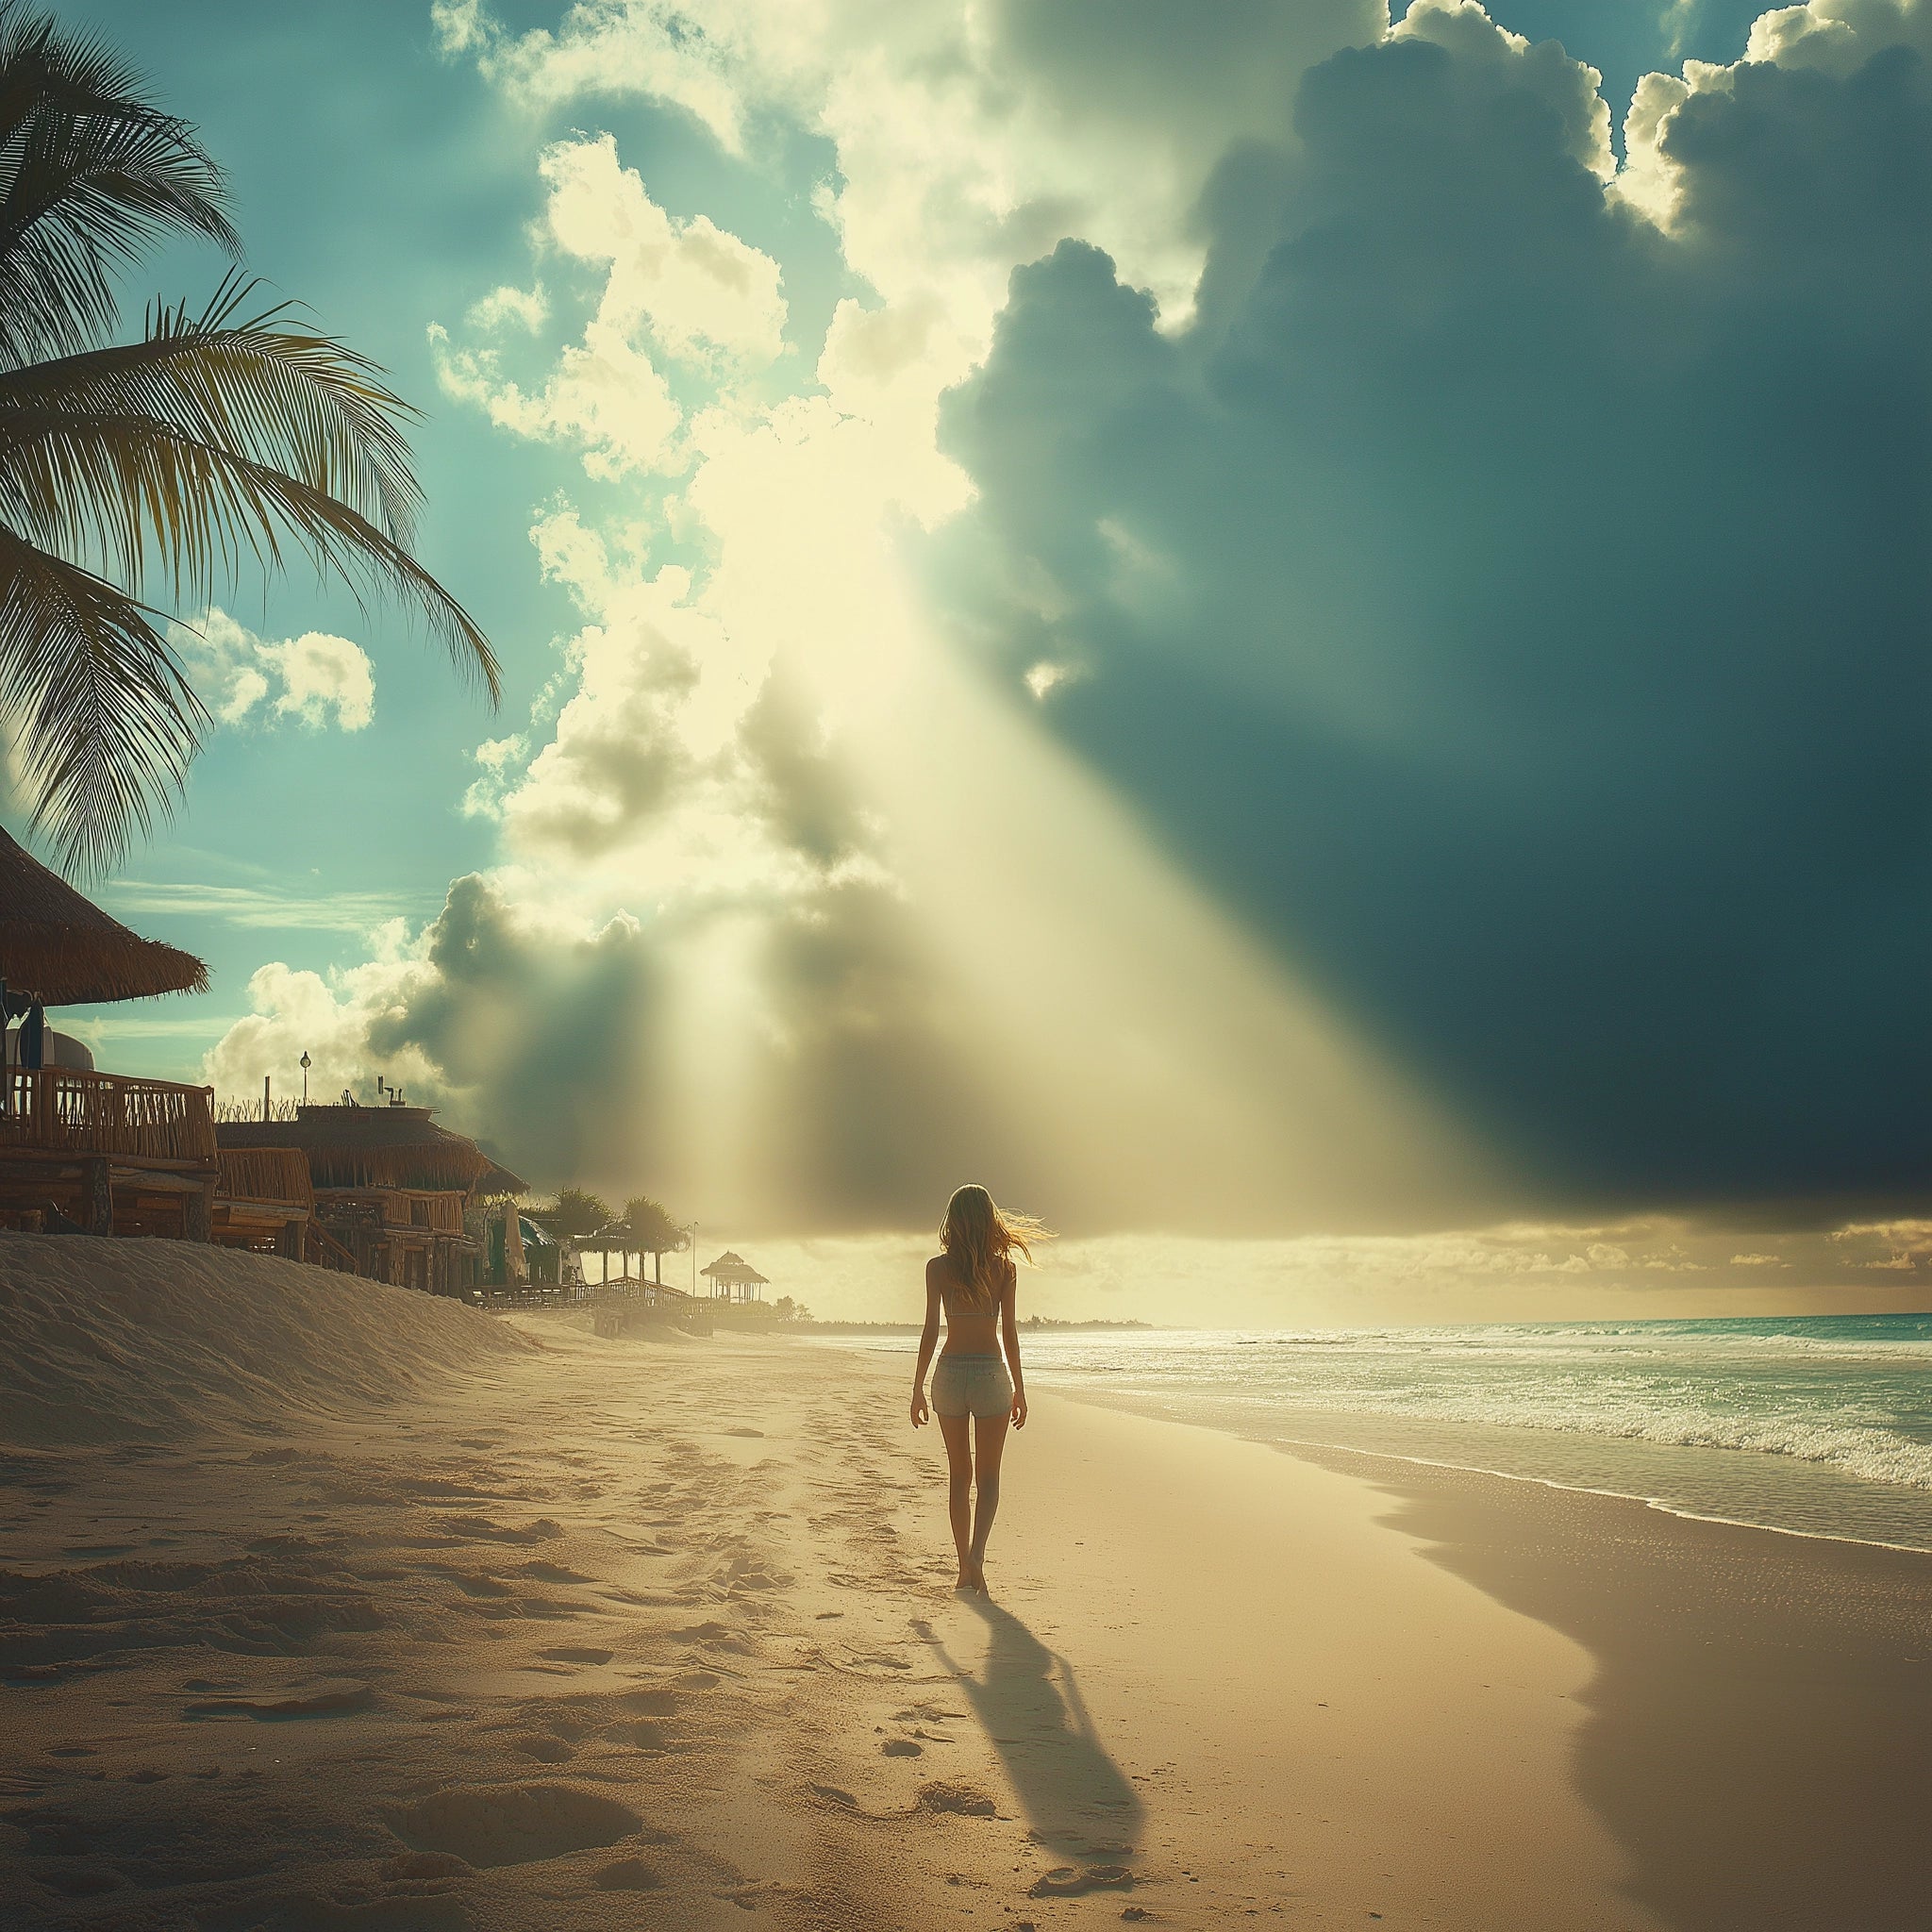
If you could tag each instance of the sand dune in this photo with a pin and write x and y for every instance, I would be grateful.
(136, 1341)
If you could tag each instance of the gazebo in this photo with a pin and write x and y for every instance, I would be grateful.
(80, 1148)
(733, 1278)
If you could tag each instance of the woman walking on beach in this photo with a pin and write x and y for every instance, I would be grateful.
(975, 1282)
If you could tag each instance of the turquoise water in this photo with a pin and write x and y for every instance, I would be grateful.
(1818, 1425)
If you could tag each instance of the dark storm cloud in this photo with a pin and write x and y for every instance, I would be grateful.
(544, 1037)
(1519, 614)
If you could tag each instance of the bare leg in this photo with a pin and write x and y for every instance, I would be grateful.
(989, 1443)
(956, 1431)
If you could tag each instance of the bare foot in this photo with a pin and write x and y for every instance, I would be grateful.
(977, 1578)
(964, 1580)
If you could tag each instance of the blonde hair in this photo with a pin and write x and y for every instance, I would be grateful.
(980, 1240)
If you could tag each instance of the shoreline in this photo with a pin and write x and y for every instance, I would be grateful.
(1291, 1445)
(1774, 1688)
(1159, 1405)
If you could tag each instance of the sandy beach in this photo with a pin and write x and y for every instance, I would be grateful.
(496, 1625)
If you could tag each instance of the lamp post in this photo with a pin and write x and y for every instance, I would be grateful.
(306, 1063)
(693, 1261)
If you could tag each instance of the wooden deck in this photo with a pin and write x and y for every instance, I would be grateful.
(64, 1111)
(109, 1152)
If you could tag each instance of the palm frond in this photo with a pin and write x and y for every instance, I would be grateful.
(218, 438)
(103, 724)
(291, 398)
(211, 441)
(92, 174)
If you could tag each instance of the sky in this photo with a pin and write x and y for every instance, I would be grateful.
(1297, 639)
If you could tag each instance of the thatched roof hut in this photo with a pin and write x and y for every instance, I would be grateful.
(500, 1182)
(731, 1273)
(62, 950)
(376, 1147)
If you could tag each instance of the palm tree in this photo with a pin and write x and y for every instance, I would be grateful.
(657, 1234)
(578, 1213)
(225, 436)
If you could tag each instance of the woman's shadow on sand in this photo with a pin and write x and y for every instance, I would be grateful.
(1028, 1703)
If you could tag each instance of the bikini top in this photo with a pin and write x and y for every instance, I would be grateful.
(949, 1287)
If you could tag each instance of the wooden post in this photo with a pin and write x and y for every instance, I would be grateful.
(96, 1197)
(265, 1096)
(198, 1213)
(289, 1240)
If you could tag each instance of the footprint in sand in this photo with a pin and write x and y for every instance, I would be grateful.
(417, 1867)
(657, 1703)
(479, 1530)
(1074, 1881)
(627, 1874)
(550, 1607)
(552, 1573)
(514, 1824)
(344, 1702)
(964, 1801)
(436, 1913)
(713, 1635)
(82, 1880)
(474, 1584)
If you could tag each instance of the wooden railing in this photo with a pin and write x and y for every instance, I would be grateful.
(266, 1173)
(439, 1214)
(325, 1251)
(66, 1110)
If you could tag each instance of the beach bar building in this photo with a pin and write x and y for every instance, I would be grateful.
(104, 1153)
(390, 1192)
(264, 1201)
(734, 1280)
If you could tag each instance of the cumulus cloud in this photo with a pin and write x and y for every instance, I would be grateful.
(1543, 658)
(685, 289)
(705, 295)
(316, 679)
(524, 309)
(968, 138)
(602, 49)
(604, 396)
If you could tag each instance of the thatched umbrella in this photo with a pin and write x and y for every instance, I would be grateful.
(57, 949)
(617, 1234)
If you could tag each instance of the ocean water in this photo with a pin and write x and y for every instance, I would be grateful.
(1816, 1425)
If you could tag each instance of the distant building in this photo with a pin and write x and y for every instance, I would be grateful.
(734, 1280)
(390, 1192)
